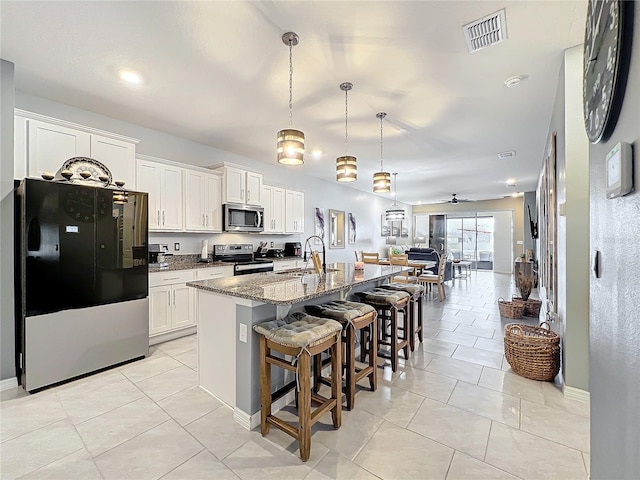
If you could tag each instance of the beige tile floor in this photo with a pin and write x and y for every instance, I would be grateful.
(454, 410)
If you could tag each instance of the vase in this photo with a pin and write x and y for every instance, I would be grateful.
(525, 278)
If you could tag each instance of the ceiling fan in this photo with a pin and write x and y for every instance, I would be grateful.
(455, 200)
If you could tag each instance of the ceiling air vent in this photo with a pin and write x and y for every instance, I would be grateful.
(485, 32)
(507, 154)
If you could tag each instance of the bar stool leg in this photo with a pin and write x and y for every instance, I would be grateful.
(408, 332)
(350, 361)
(411, 335)
(420, 335)
(373, 355)
(265, 387)
(336, 383)
(304, 405)
(394, 339)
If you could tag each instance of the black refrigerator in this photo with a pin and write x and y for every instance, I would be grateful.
(82, 278)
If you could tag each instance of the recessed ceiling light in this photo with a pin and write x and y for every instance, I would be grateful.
(516, 80)
(316, 154)
(131, 77)
(515, 194)
(511, 182)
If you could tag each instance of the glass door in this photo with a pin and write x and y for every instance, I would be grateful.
(470, 238)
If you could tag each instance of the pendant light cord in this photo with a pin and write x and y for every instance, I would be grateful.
(346, 123)
(381, 117)
(290, 82)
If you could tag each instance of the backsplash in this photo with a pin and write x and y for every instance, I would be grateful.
(191, 243)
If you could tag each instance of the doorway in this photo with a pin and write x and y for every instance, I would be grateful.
(470, 238)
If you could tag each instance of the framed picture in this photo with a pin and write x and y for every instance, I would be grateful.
(352, 228)
(319, 225)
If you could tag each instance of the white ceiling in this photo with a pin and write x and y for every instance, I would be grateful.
(217, 73)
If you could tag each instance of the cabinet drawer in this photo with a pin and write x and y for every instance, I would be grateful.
(279, 266)
(157, 279)
(213, 272)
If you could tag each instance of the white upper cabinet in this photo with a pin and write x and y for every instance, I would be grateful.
(118, 156)
(294, 212)
(43, 144)
(203, 211)
(241, 186)
(164, 185)
(50, 145)
(273, 203)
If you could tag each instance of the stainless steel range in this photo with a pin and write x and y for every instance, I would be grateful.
(241, 255)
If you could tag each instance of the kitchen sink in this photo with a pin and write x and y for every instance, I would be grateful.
(300, 273)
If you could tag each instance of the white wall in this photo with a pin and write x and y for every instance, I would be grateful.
(318, 193)
(502, 242)
(7, 320)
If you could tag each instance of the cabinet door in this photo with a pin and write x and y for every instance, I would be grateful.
(194, 196)
(213, 203)
(50, 145)
(234, 185)
(20, 135)
(171, 198)
(266, 204)
(159, 309)
(118, 156)
(182, 306)
(294, 211)
(254, 189)
(277, 210)
(149, 179)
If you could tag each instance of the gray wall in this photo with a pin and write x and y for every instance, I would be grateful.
(572, 192)
(7, 322)
(530, 201)
(615, 317)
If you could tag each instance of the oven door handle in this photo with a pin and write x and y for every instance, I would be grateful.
(252, 266)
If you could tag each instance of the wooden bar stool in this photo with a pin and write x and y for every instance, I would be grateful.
(415, 320)
(301, 336)
(388, 304)
(354, 317)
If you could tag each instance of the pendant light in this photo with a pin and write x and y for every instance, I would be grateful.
(290, 141)
(395, 212)
(381, 179)
(347, 165)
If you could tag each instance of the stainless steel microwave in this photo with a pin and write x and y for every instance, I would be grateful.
(243, 218)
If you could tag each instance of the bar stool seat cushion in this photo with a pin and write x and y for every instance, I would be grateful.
(427, 277)
(410, 288)
(341, 310)
(298, 330)
(381, 295)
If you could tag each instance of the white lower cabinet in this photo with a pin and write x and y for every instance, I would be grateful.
(171, 303)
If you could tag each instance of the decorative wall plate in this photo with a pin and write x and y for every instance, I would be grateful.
(82, 166)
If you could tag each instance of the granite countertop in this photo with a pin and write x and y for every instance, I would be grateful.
(188, 262)
(287, 288)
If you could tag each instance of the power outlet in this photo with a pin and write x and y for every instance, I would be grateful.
(243, 333)
(271, 244)
(176, 247)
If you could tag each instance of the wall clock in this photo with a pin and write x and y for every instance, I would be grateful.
(601, 64)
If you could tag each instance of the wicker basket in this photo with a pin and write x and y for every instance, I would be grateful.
(533, 352)
(510, 309)
(531, 306)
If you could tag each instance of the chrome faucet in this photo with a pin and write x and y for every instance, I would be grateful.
(306, 242)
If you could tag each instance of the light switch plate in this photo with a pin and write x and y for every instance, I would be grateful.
(243, 333)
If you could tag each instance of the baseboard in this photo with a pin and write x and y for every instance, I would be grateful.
(576, 394)
(252, 421)
(165, 337)
(8, 384)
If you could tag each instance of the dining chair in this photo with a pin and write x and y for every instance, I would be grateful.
(428, 280)
(406, 276)
(369, 257)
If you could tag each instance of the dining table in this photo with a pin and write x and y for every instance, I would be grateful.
(418, 266)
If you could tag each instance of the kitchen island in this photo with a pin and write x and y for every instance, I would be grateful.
(228, 348)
